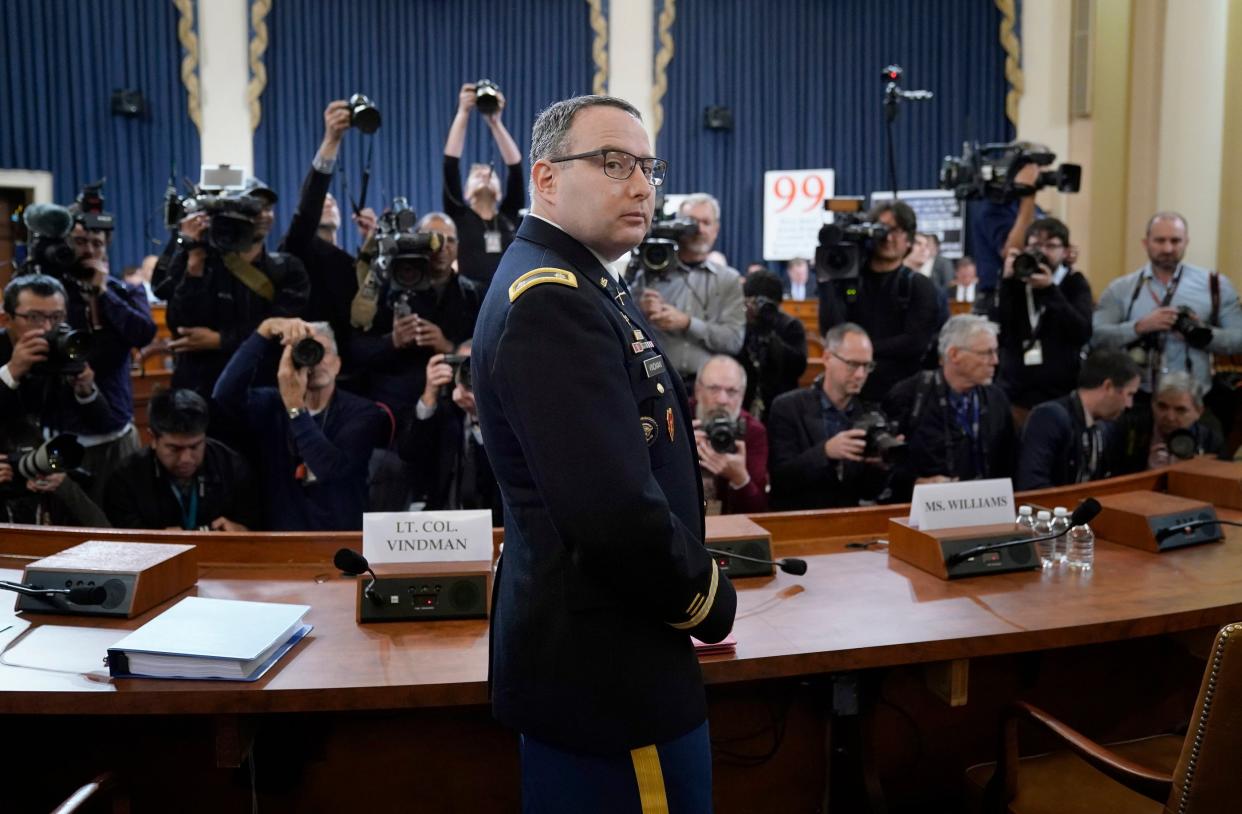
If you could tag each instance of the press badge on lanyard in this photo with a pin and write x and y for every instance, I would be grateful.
(1033, 356)
(491, 241)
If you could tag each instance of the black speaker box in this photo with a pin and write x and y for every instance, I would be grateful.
(423, 591)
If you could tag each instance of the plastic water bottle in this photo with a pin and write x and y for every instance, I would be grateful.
(1061, 524)
(1081, 548)
(1026, 519)
(1046, 548)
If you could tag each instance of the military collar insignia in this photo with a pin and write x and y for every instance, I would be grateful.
(538, 276)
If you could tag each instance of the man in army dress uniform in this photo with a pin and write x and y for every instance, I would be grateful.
(604, 577)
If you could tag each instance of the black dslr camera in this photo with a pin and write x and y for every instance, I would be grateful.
(60, 454)
(846, 242)
(307, 352)
(723, 433)
(402, 255)
(881, 439)
(1028, 263)
(486, 96)
(461, 369)
(363, 114)
(68, 351)
(658, 250)
(987, 171)
(1197, 334)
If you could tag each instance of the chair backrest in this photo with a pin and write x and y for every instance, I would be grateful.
(1208, 776)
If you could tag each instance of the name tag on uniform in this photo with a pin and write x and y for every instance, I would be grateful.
(491, 242)
(654, 366)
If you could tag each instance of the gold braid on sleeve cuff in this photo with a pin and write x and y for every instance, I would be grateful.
(700, 606)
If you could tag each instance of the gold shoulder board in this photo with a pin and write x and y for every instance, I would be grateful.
(544, 275)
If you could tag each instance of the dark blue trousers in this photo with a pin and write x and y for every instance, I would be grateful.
(674, 777)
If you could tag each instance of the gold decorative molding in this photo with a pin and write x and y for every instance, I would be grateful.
(258, 46)
(1013, 59)
(663, 57)
(189, 62)
(599, 47)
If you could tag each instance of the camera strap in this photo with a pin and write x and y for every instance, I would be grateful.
(249, 276)
(366, 301)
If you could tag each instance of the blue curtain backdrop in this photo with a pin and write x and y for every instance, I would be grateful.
(62, 60)
(411, 58)
(803, 80)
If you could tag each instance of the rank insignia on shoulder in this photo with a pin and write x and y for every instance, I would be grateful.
(672, 426)
(650, 429)
(541, 275)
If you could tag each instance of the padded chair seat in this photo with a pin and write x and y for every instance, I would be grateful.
(1043, 779)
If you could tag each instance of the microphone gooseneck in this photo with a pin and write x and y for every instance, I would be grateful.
(354, 564)
(790, 565)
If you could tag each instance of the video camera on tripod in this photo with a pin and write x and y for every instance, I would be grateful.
(987, 171)
(846, 242)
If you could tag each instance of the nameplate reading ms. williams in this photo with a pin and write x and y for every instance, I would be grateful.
(395, 537)
(962, 503)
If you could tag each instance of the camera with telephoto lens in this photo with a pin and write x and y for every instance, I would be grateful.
(67, 351)
(402, 255)
(1028, 263)
(232, 215)
(1182, 444)
(461, 369)
(60, 454)
(845, 244)
(486, 96)
(881, 440)
(307, 352)
(987, 171)
(47, 240)
(763, 315)
(723, 432)
(658, 251)
(363, 114)
(1197, 334)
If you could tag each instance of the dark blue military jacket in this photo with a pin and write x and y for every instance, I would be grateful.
(604, 576)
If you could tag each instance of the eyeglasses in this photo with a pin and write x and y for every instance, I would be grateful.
(620, 165)
(721, 390)
(1048, 245)
(990, 352)
(867, 366)
(42, 317)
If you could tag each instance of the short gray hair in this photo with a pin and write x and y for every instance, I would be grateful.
(837, 333)
(551, 131)
(959, 329)
(698, 199)
(1181, 382)
(430, 216)
(325, 330)
(722, 359)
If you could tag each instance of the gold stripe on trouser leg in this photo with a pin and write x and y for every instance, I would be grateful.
(650, 780)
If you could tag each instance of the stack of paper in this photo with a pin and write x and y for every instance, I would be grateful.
(726, 646)
(210, 638)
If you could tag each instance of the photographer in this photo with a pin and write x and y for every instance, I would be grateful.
(315, 440)
(924, 258)
(899, 310)
(695, 306)
(227, 283)
(421, 308)
(818, 459)
(999, 224)
(732, 444)
(312, 232)
(185, 480)
(1043, 308)
(485, 222)
(1171, 316)
(443, 443)
(774, 354)
(118, 319)
(957, 422)
(1067, 440)
(1172, 430)
(43, 392)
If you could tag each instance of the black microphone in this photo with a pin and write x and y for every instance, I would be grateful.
(790, 565)
(354, 564)
(1186, 528)
(79, 595)
(1085, 513)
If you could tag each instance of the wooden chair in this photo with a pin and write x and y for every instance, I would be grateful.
(1165, 774)
(103, 789)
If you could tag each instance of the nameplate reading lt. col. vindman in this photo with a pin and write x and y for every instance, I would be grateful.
(962, 503)
(396, 537)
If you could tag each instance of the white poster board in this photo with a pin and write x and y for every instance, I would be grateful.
(793, 211)
(938, 212)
